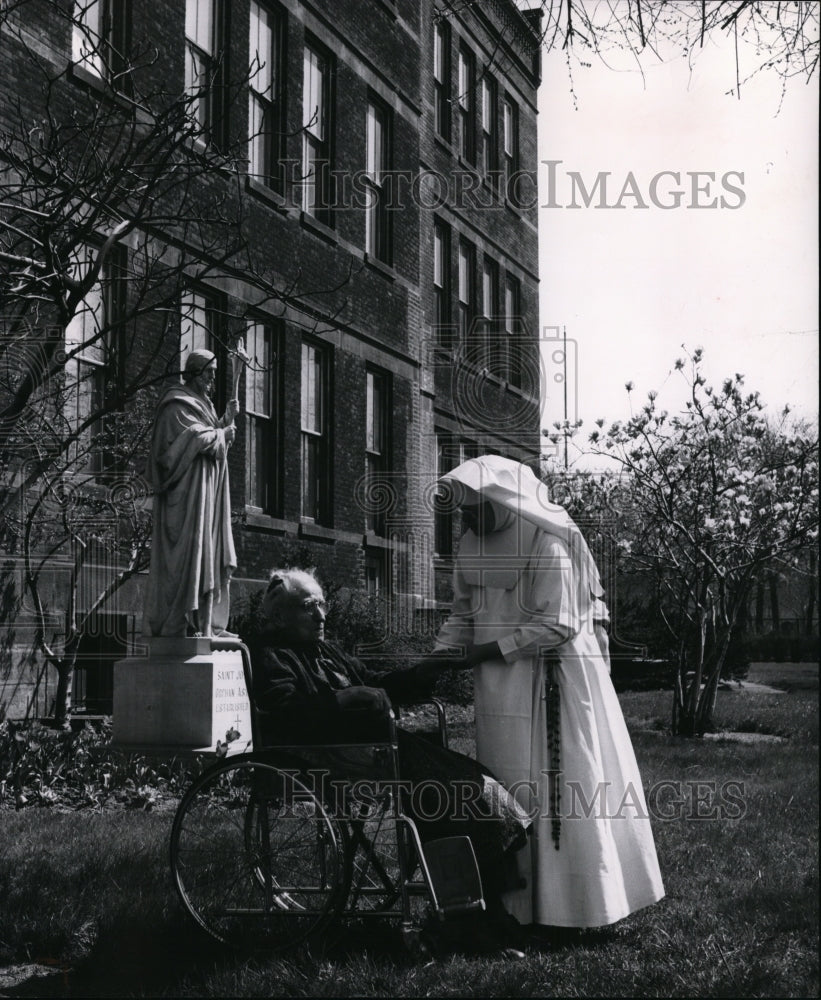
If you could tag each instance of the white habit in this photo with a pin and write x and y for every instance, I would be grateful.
(522, 587)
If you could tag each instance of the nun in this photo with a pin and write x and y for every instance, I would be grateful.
(529, 617)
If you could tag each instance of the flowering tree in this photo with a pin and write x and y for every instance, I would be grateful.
(719, 497)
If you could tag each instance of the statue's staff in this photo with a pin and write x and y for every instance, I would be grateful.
(240, 358)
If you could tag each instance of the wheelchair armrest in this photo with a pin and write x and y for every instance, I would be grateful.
(441, 719)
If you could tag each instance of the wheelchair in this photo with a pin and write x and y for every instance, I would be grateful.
(272, 844)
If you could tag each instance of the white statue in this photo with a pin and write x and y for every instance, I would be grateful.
(192, 545)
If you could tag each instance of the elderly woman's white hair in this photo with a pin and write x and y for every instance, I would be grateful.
(282, 585)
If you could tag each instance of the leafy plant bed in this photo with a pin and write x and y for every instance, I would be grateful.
(79, 769)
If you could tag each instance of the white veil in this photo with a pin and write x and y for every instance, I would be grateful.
(515, 487)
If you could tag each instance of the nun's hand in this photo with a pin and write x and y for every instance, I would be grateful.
(434, 664)
(474, 655)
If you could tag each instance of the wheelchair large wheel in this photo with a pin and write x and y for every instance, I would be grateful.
(374, 845)
(256, 858)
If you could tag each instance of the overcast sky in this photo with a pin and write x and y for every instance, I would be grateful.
(631, 286)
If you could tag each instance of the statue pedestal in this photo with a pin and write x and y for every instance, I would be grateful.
(181, 696)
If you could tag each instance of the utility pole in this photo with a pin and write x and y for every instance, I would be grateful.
(564, 383)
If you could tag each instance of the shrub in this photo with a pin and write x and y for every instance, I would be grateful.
(772, 647)
(43, 766)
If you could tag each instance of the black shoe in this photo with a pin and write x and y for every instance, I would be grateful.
(498, 934)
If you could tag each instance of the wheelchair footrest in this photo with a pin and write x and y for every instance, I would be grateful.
(454, 875)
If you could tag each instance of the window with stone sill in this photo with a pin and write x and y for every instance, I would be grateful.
(378, 438)
(490, 129)
(441, 78)
(99, 38)
(200, 322)
(377, 167)
(466, 291)
(466, 105)
(510, 144)
(451, 451)
(263, 377)
(378, 572)
(317, 130)
(441, 283)
(203, 66)
(265, 94)
(315, 433)
(90, 373)
(485, 354)
(513, 331)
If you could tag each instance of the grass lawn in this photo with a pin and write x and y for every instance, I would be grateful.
(89, 891)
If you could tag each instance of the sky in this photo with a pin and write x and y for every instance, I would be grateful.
(631, 286)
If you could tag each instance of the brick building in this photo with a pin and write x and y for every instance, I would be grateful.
(386, 186)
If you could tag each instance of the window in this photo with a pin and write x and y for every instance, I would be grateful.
(441, 78)
(265, 129)
(467, 84)
(450, 452)
(377, 440)
(199, 328)
(510, 141)
(262, 394)
(490, 128)
(85, 372)
(99, 37)
(104, 641)
(512, 330)
(490, 307)
(91, 373)
(202, 64)
(377, 572)
(377, 217)
(444, 508)
(441, 282)
(196, 324)
(316, 132)
(467, 298)
(315, 475)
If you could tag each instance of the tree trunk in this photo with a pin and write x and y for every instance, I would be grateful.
(62, 699)
(686, 697)
(775, 611)
(809, 618)
(759, 607)
(65, 682)
(707, 699)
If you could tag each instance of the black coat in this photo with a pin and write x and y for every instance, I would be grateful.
(295, 685)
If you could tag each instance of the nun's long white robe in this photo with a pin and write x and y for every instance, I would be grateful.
(514, 587)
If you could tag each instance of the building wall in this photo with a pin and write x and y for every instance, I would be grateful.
(365, 313)
(474, 405)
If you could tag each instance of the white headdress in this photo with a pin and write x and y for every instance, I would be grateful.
(515, 487)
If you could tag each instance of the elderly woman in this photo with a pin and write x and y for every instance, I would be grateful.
(312, 693)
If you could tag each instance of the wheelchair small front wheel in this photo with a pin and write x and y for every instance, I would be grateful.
(256, 858)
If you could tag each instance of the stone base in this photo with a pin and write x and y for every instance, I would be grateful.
(181, 696)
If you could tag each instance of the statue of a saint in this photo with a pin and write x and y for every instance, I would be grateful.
(192, 545)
